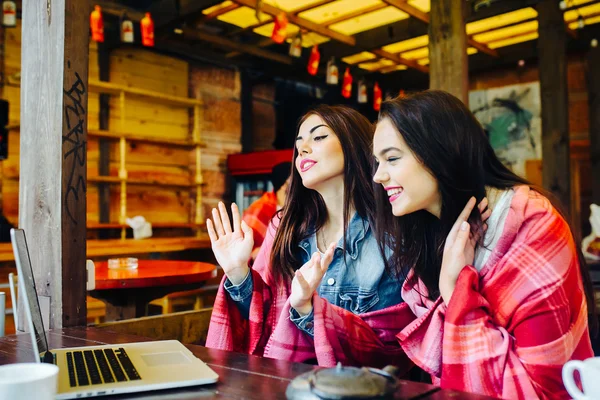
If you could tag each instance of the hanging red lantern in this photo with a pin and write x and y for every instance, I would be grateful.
(313, 61)
(9, 13)
(347, 84)
(296, 46)
(147, 26)
(332, 73)
(280, 28)
(362, 92)
(401, 94)
(376, 97)
(127, 30)
(97, 25)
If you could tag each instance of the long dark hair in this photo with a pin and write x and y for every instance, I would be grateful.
(447, 139)
(304, 212)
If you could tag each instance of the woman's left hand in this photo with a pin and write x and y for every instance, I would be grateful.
(459, 249)
(307, 280)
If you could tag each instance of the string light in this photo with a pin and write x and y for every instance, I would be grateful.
(563, 5)
(594, 43)
(580, 22)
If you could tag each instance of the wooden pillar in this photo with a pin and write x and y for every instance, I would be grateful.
(52, 184)
(593, 61)
(448, 62)
(554, 100)
(104, 144)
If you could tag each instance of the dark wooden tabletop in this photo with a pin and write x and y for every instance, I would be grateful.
(241, 376)
(152, 273)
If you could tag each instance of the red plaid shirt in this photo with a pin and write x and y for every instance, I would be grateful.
(258, 216)
(508, 329)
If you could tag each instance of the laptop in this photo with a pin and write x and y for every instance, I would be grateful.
(108, 369)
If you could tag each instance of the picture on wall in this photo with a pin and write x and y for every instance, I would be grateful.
(511, 117)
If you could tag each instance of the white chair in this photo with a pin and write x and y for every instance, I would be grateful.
(13, 285)
(13, 294)
(12, 282)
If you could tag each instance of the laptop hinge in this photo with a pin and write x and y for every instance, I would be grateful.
(48, 358)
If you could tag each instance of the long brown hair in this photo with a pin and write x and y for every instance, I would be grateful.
(304, 212)
(449, 141)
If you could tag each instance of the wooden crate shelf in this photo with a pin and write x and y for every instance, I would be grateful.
(140, 182)
(116, 89)
(104, 134)
(157, 225)
(137, 138)
(118, 133)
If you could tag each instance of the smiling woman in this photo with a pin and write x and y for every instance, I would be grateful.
(502, 294)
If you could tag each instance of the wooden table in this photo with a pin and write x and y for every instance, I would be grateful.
(240, 376)
(127, 292)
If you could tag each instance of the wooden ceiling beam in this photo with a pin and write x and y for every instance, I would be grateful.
(311, 26)
(312, 6)
(400, 60)
(414, 12)
(168, 14)
(295, 12)
(220, 11)
(197, 35)
(354, 14)
(301, 22)
(250, 28)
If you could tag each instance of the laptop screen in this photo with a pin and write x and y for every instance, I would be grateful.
(27, 285)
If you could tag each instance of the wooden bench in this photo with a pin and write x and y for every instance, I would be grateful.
(191, 299)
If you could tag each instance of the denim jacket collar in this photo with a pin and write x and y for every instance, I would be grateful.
(357, 229)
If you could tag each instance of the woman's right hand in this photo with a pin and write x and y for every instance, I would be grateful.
(232, 248)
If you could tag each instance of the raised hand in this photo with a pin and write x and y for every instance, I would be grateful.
(232, 248)
(307, 280)
(459, 249)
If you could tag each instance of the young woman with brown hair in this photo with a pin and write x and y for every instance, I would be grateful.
(501, 305)
(318, 285)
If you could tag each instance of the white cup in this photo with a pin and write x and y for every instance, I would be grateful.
(26, 381)
(589, 371)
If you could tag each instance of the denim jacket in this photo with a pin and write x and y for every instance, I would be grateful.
(360, 284)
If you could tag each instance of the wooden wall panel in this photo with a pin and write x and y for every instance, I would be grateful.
(263, 110)
(12, 46)
(143, 69)
(155, 154)
(92, 203)
(154, 204)
(221, 127)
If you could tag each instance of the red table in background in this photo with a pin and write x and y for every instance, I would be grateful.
(127, 292)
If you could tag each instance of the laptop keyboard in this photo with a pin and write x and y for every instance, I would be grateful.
(100, 366)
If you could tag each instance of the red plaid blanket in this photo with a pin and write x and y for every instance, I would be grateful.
(339, 335)
(510, 328)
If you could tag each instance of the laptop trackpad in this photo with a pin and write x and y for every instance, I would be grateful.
(162, 359)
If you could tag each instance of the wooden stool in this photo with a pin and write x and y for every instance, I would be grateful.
(190, 299)
(96, 310)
